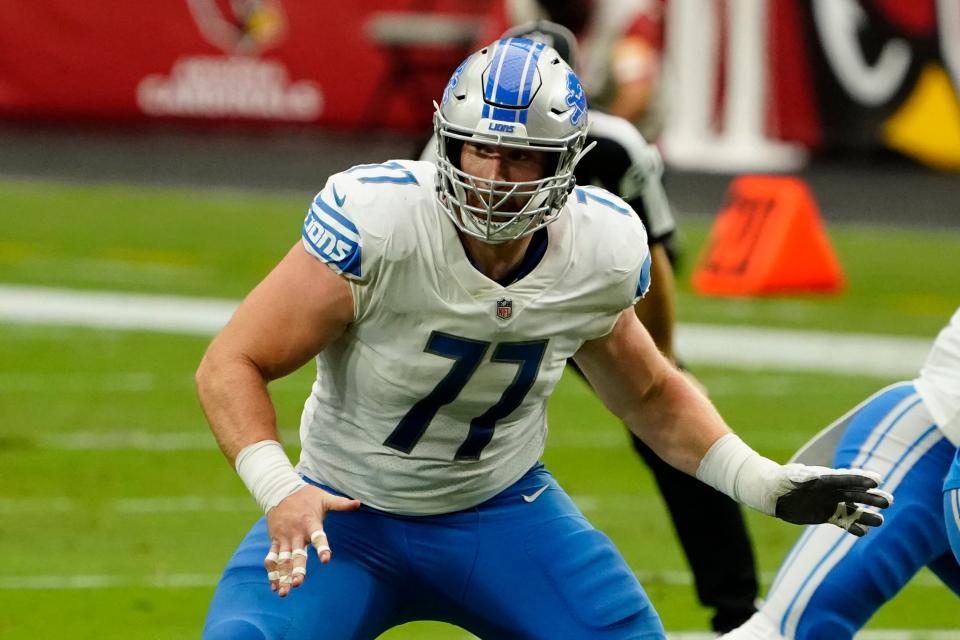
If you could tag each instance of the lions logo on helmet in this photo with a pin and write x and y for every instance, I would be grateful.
(452, 84)
(575, 98)
(515, 93)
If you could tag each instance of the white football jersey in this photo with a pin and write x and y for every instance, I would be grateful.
(939, 381)
(434, 399)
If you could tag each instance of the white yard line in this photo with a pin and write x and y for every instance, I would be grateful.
(108, 310)
(169, 581)
(136, 440)
(715, 345)
(763, 348)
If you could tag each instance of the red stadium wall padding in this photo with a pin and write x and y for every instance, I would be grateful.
(338, 64)
(838, 75)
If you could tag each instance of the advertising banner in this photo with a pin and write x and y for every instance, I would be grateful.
(338, 64)
(885, 73)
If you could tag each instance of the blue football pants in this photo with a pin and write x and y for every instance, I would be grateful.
(832, 582)
(951, 505)
(507, 568)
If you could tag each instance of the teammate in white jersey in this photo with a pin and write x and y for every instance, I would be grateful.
(441, 303)
(830, 585)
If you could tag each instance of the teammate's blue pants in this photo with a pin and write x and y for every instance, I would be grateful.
(951, 505)
(507, 568)
(832, 582)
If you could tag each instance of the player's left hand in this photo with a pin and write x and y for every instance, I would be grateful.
(814, 495)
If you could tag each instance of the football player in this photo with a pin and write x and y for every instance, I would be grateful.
(441, 303)
(623, 163)
(829, 585)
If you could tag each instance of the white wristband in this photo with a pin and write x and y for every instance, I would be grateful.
(732, 467)
(266, 470)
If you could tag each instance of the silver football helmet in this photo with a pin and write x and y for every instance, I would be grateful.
(514, 93)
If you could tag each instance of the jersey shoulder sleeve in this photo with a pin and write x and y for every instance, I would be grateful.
(615, 245)
(641, 183)
(355, 221)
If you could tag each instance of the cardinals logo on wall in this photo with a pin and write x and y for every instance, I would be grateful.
(242, 84)
(240, 26)
(890, 70)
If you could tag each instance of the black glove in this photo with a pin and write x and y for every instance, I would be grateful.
(815, 495)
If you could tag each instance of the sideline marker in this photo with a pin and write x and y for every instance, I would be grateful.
(768, 239)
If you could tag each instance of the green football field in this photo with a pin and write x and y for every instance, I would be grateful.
(117, 512)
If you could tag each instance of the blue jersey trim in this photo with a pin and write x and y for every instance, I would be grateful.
(406, 178)
(336, 215)
(585, 192)
(644, 283)
(331, 245)
(390, 179)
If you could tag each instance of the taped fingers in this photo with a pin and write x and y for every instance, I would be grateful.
(299, 571)
(270, 565)
(319, 541)
(285, 567)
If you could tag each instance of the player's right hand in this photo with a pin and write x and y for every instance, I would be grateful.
(293, 525)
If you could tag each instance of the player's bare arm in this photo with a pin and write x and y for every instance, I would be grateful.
(680, 424)
(299, 308)
(638, 384)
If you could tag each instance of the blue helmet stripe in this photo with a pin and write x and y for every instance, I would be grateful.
(526, 91)
(504, 115)
(500, 48)
(529, 73)
(510, 79)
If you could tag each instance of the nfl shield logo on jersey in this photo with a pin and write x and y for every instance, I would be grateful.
(504, 308)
